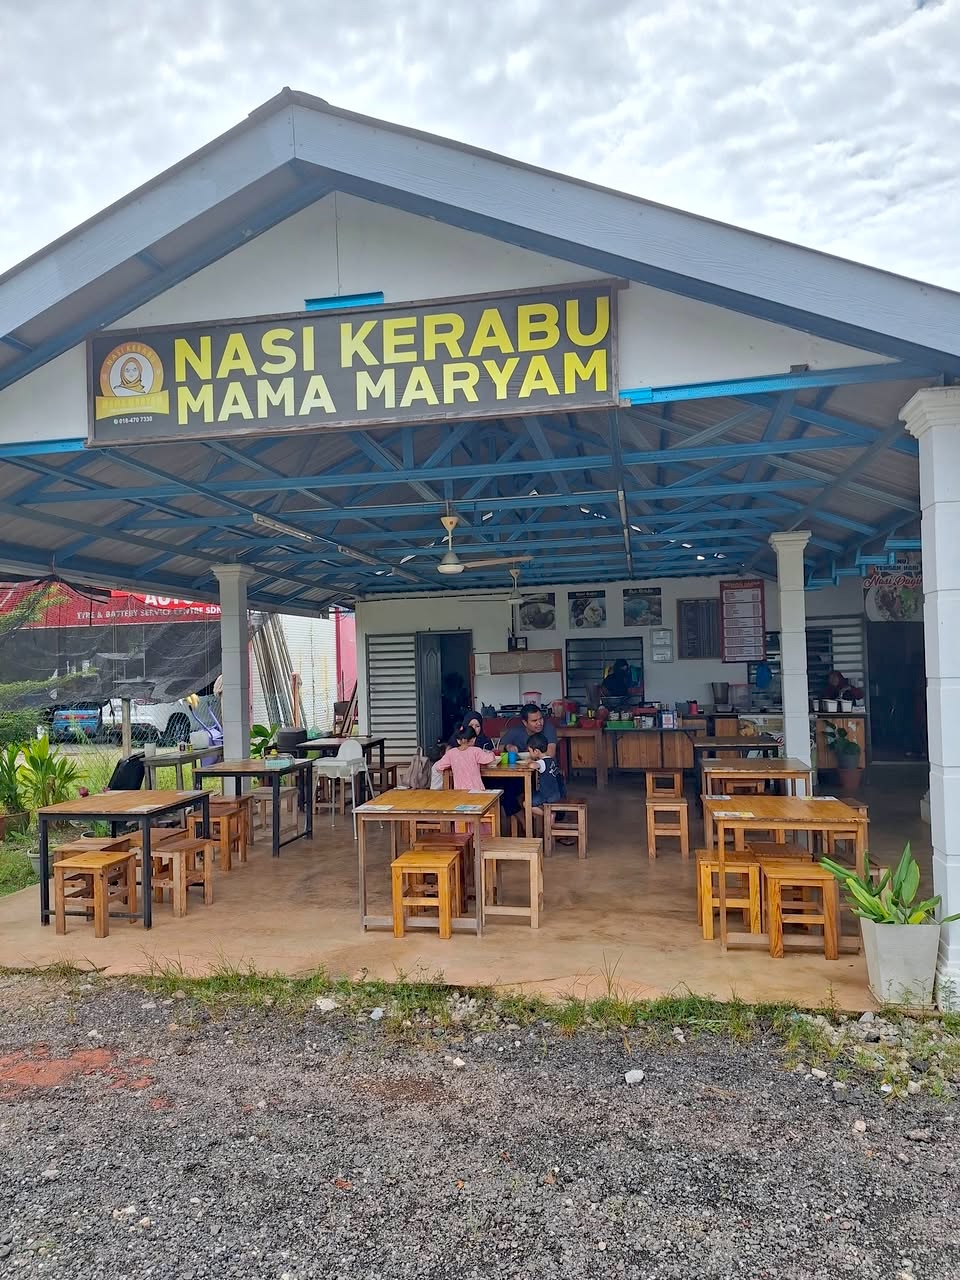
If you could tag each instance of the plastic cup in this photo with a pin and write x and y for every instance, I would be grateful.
(504, 757)
(511, 757)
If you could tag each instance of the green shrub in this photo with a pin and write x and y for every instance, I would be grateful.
(17, 726)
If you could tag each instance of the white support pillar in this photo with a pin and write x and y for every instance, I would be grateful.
(235, 658)
(793, 642)
(933, 416)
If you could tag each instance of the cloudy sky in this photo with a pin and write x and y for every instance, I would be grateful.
(829, 122)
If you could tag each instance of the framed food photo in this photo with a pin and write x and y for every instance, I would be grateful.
(588, 610)
(538, 612)
(642, 607)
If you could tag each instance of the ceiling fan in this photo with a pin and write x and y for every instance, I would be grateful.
(451, 563)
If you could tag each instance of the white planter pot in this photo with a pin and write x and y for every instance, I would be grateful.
(901, 961)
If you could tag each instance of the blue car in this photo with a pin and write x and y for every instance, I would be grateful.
(73, 724)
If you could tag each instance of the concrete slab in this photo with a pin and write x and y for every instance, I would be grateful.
(616, 919)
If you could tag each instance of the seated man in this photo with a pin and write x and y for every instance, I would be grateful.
(531, 721)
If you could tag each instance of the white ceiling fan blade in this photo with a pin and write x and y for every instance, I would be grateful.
(498, 560)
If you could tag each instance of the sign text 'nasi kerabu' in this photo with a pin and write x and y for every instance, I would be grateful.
(492, 356)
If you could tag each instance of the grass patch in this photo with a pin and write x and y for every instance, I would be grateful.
(16, 870)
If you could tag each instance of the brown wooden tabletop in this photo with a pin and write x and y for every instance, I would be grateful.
(137, 803)
(443, 803)
(778, 767)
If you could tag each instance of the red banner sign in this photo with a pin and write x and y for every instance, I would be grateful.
(60, 606)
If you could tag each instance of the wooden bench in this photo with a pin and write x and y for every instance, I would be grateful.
(410, 875)
(90, 844)
(97, 879)
(385, 775)
(554, 827)
(500, 849)
(678, 829)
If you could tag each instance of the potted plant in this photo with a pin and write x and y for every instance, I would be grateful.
(901, 936)
(13, 815)
(847, 754)
(263, 740)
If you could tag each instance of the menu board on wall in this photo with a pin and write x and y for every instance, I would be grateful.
(742, 628)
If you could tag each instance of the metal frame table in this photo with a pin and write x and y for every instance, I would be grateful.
(115, 807)
(741, 814)
(468, 807)
(238, 770)
(175, 760)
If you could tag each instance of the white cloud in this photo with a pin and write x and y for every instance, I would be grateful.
(828, 124)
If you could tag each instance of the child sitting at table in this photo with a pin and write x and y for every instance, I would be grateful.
(550, 786)
(465, 760)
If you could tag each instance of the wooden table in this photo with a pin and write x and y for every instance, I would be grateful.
(785, 769)
(566, 733)
(145, 808)
(527, 771)
(238, 770)
(175, 760)
(741, 814)
(468, 807)
(765, 746)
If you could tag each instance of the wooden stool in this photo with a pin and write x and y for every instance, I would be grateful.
(664, 784)
(656, 827)
(385, 775)
(90, 844)
(553, 827)
(263, 807)
(409, 874)
(504, 849)
(460, 842)
(778, 876)
(107, 877)
(245, 801)
(831, 837)
(762, 849)
(748, 869)
(225, 829)
(177, 865)
(241, 808)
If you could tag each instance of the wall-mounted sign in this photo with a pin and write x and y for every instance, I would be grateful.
(492, 355)
(895, 594)
(642, 607)
(588, 609)
(538, 611)
(742, 629)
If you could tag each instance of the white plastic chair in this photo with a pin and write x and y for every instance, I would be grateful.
(344, 767)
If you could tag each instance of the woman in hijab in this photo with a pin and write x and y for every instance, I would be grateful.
(473, 720)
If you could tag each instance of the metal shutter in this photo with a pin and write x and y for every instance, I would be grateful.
(392, 693)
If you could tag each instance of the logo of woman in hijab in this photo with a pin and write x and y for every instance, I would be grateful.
(132, 369)
(131, 380)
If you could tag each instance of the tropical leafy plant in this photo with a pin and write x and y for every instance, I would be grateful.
(842, 745)
(17, 726)
(891, 900)
(11, 792)
(47, 776)
(262, 739)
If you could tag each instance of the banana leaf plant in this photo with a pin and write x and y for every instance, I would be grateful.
(263, 739)
(893, 898)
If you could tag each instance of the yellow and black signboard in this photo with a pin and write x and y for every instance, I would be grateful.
(541, 351)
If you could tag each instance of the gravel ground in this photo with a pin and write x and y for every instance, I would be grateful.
(147, 1136)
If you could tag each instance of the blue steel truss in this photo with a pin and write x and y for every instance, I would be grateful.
(638, 492)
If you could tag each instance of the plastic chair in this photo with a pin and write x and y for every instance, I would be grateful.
(344, 767)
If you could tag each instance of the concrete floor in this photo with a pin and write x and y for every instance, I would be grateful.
(616, 917)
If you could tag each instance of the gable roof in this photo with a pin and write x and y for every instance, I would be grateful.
(296, 148)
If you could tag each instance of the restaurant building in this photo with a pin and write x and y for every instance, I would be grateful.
(267, 376)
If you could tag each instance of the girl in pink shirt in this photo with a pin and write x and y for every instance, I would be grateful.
(465, 760)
